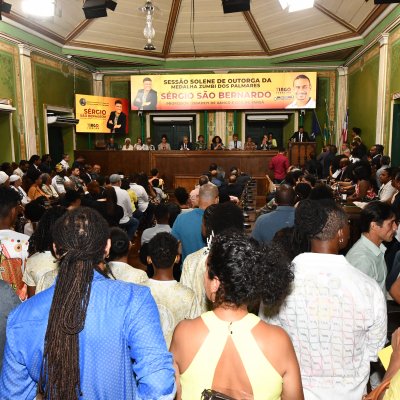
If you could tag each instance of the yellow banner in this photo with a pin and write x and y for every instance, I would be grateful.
(98, 114)
(287, 90)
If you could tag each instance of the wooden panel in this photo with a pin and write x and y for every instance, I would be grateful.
(299, 152)
(177, 163)
(187, 181)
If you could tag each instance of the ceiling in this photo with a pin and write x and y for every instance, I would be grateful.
(188, 28)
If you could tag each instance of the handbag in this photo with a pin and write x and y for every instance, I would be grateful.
(209, 394)
(374, 395)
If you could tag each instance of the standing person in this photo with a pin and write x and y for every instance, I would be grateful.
(187, 226)
(146, 98)
(335, 315)
(63, 329)
(175, 301)
(14, 245)
(33, 168)
(279, 164)
(118, 259)
(117, 119)
(228, 349)
(377, 225)
(127, 222)
(65, 161)
(300, 136)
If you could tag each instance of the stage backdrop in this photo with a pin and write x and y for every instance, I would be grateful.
(295, 90)
(94, 112)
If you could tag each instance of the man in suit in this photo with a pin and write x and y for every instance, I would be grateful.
(300, 136)
(235, 144)
(185, 144)
(146, 98)
(117, 120)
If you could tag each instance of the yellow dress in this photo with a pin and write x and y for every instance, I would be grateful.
(265, 381)
(393, 393)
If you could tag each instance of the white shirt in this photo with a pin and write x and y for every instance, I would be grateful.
(14, 253)
(38, 265)
(58, 183)
(175, 302)
(193, 270)
(127, 273)
(386, 191)
(130, 147)
(231, 145)
(124, 201)
(24, 197)
(310, 104)
(149, 233)
(65, 164)
(143, 198)
(336, 318)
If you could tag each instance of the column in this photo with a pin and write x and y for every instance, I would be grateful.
(220, 125)
(98, 84)
(381, 94)
(27, 100)
(342, 99)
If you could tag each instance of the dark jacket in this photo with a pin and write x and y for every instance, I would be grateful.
(121, 121)
(150, 98)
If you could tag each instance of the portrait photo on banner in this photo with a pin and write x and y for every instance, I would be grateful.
(97, 114)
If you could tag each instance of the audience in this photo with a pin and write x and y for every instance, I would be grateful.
(103, 337)
(268, 224)
(335, 315)
(117, 260)
(228, 349)
(175, 301)
(377, 224)
(187, 226)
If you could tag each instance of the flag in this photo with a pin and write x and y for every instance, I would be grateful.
(327, 133)
(316, 127)
(345, 126)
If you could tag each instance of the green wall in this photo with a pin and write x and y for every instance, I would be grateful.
(54, 86)
(8, 90)
(363, 88)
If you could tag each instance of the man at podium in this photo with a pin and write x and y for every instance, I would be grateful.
(300, 136)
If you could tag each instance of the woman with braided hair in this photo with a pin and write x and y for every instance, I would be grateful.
(86, 337)
(335, 314)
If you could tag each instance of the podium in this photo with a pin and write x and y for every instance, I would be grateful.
(299, 152)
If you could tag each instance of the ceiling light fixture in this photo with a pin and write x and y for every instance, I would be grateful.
(296, 5)
(148, 30)
(39, 8)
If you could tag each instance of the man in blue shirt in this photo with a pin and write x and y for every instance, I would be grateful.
(283, 217)
(187, 227)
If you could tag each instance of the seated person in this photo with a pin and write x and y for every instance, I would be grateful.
(164, 145)
(185, 144)
(174, 301)
(228, 349)
(127, 145)
(249, 145)
(200, 144)
(111, 145)
(235, 143)
(138, 145)
(216, 143)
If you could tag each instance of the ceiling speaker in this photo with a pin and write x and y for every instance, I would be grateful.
(231, 6)
(98, 8)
